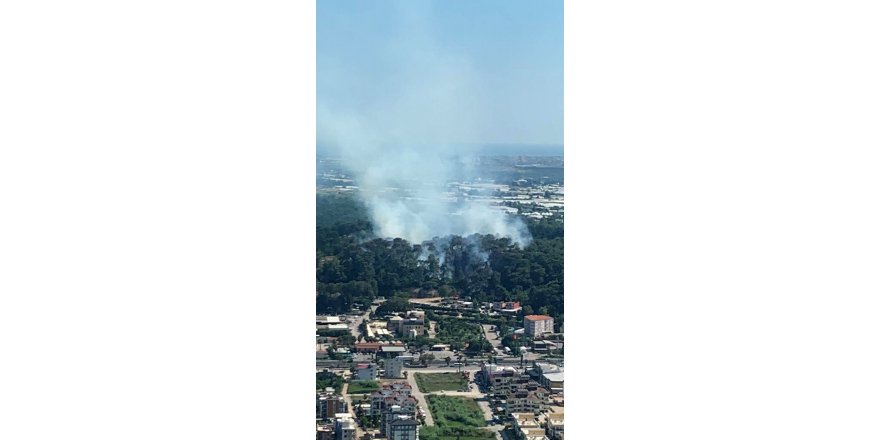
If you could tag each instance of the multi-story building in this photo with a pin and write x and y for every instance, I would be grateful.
(532, 400)
(526, 426)
(324, 432)
(394, 366)
(398, 393)
(391, 402)
(403, 428)
(395, 412)
(555, 426)
(537, 325)
(549, 376)
(367, 372)
(328, 404)
(345, 427)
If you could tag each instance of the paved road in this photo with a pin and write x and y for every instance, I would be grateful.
(345, 396)
(423, 402)
(492, 337)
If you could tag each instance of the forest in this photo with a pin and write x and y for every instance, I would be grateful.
(354, 267)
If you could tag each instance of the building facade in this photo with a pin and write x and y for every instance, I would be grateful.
(403, 428)
(367, 372)
(537, 325)
(394, 366)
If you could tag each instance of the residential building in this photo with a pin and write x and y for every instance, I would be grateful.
(394, 366)
(328, 404)
(507, 308)
(537, 325)
(403, 428)
(397, 393)
(345, 427)
(532, 400)
(324, 432)
(526, 426)
(549, 376)
(555, 426)
(367, 372)
(393, 402)
(394, 413)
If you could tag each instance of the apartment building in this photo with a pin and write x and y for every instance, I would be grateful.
(394, 366)
(403, 428)
(367, 372)
(328, 404)
(555, 426)
(537, 325)
(345, 427)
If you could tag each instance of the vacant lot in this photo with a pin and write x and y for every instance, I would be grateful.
(362, 386)
(430, 382)
(435, 433)
(455, 418)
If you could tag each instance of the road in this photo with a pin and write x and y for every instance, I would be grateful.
(345, 396)
(423, 401)
(492, 337)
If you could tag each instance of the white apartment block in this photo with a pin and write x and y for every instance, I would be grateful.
(537, 325)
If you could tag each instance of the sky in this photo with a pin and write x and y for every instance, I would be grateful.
(473, 72)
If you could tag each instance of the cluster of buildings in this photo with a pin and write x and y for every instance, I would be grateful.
(330, 323)
(532, 390)
(397, 410)
(410, 326)
(528, 426)
(334, 422)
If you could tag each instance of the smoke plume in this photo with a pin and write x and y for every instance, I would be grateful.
(401, 133)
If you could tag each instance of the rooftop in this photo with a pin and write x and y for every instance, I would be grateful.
(537, 317)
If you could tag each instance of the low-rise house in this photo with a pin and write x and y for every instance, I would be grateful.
(507, 308)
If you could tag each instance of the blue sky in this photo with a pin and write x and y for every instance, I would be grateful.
(454, 71)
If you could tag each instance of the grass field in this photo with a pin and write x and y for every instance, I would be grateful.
(435, 433)
(430, 382)
(457, 418)
(362, 386)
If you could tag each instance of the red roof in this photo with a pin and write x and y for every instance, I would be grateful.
(537, 317)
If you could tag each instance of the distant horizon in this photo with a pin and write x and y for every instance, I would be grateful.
(491, 149)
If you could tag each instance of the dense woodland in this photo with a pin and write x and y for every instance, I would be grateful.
(354, 267)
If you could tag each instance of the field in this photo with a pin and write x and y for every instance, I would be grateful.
(435, 433)
(456, 418)
(430, 382)
(362, 386)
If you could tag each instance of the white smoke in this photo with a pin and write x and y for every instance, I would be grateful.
(404, 145)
